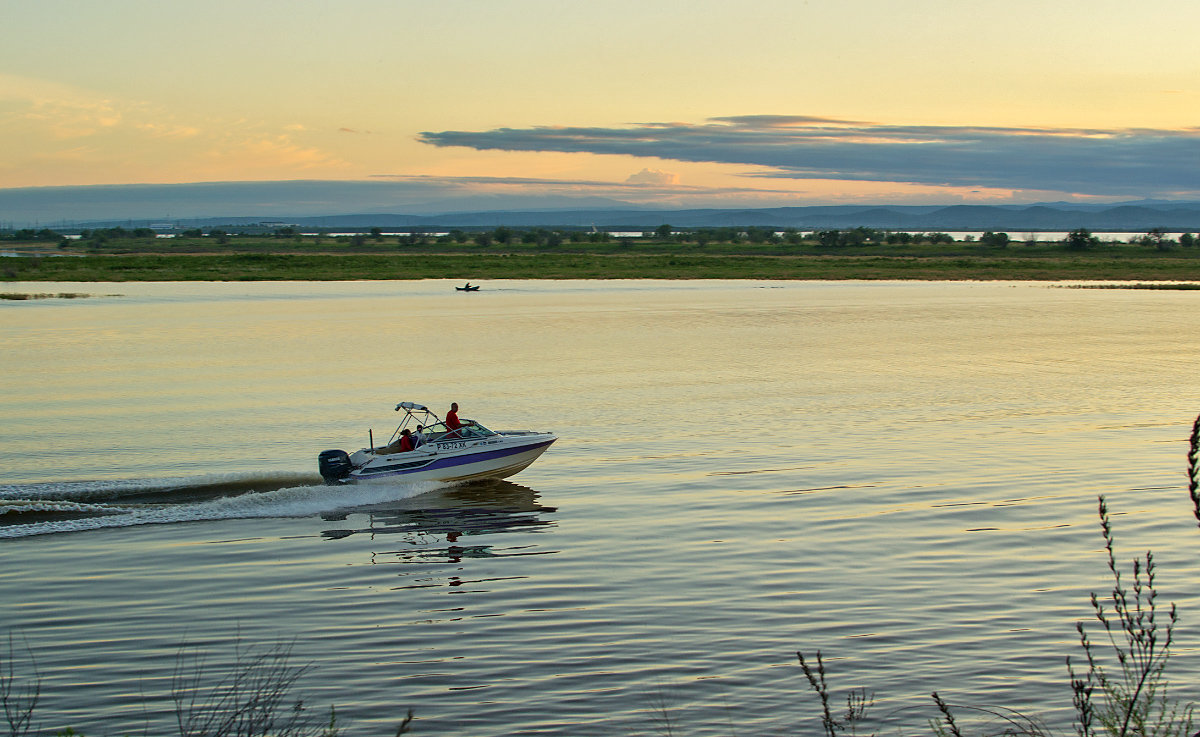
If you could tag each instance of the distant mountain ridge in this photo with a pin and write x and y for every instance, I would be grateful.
(361, 205)
(954, 217)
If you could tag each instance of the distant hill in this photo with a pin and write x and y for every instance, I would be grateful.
(388, 204)
(956, 217)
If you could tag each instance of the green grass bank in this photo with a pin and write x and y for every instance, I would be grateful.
(1148, 267)
(122, 256)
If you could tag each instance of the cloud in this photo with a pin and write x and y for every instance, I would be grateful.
(653, 177)
(57, 111)
(86, 136)
(629, 187)
(1100, 162)
(160, 130)
(275, 152)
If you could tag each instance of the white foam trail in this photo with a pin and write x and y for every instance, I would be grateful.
(296, 501)
(116, 488)
(19, 506)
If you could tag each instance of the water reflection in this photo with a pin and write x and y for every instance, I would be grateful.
(452, 524)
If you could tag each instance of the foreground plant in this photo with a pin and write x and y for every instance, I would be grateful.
(1124, 690)
(253, 698)
(857, 701)
(250, 701)
(1193, 471)
(18, 697)
(1133, 698)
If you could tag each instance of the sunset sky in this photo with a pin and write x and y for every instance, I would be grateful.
(700, 103)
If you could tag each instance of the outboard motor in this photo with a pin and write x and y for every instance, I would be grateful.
(334, 465)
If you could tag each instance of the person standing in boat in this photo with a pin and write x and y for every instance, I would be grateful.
(417, 440)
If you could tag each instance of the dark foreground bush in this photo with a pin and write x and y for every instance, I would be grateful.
(254, 697)
(1122, 692)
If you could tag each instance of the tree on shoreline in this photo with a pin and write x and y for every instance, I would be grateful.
(994, 240)
(1080, 239)
(1157, 237)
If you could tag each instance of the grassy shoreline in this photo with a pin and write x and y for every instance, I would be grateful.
(477, 267)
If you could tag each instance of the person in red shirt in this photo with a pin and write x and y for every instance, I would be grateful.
(452, 421)
(401, 444)
(406, 441)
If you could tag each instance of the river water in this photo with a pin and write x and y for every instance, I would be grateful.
(901, 475)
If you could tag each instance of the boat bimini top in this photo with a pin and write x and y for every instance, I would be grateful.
(433, 428)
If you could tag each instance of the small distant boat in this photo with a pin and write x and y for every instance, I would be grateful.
(470, 452)
(468, 288)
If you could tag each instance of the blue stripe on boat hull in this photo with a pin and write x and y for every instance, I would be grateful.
(447, 465)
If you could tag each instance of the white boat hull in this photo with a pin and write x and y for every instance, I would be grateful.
(496, 457)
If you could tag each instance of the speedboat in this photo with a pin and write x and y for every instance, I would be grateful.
(470, 451)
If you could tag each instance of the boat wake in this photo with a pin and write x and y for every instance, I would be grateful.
(40, 509)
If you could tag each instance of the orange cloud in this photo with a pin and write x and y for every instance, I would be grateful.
(279, 152)
(653, 177)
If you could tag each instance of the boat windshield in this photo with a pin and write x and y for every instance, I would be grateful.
(470, 429)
